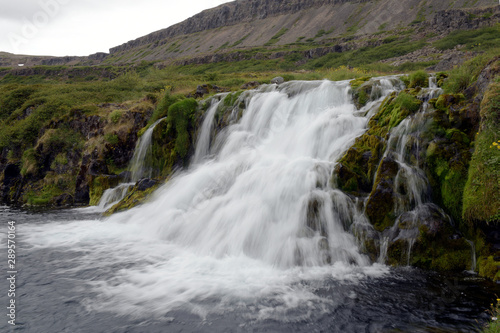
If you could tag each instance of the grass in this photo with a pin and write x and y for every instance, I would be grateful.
(461, 77)
(276, 37)
(494, 324)
(479, 40)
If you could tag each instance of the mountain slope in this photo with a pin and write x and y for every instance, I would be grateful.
(247, 24)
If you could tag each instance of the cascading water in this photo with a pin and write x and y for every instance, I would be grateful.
(252, 237)
(203, 142)
(138, 169)
(412, 200)
(138, 164)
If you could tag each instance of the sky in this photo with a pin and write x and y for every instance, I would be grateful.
(83, 27)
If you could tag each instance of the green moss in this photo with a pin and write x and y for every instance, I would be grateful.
(359, 81)
(43, 192)
(181, 117)
(488, 268)
(482, 190)
(440, 251)
(132, 199)
(356, 169)
(380, 204)
(29, 163)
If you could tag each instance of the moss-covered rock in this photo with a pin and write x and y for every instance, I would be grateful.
(135, 197)
(488, 267)
(380, 204)
(482, 190)
(356, 169)
(442, 251)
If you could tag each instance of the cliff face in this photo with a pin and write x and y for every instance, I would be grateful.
(255, 23)
(229, 14)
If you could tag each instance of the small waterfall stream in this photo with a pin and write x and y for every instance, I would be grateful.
(138, 169)
(412, 199)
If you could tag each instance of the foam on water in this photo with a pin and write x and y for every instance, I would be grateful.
(245, 227)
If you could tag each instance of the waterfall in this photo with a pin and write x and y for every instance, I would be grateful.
(138, 169)
(412, 200)
(203, 142)
(138, 164)
(112, 196)
(473, 255)
(265, 192)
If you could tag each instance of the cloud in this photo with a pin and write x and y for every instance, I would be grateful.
(82, 27)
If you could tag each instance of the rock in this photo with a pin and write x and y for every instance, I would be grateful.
(380, 203)
(125, 175)
(277, 80)
(146, 183)
(250, 85)
(63, 200)
(201, 90)
(98, 167)
(11, 177)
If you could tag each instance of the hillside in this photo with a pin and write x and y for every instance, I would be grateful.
(247, 24)
(299, 32)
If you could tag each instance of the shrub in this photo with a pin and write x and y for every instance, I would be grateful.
(111, 138)
(115, 116)
(419, 79)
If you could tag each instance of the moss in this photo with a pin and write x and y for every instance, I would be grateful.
(45, 191)
(231, 98)
(482, 191)
(445, 100)
(356, 169)
(359, 81)
(393, 110)
(380, 203)
(441, 251)
(488, 268)
(132, 199)
(30, 165)
(362, 89)
(181, 118)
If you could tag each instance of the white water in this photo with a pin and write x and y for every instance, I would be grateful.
(411, 184)
(238, 230)
(138, 169)
(203, 143)
(112, 196)
(138, 164)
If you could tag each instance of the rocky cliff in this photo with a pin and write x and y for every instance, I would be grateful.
(247, 24)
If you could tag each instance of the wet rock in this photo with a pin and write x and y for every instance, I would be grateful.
(380, 204)
(62, 200)
(98, 167)
(201, 90)
(250, 85)
(145, 184)
(277, 80)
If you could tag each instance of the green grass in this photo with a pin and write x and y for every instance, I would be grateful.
(461, 77)
(479, 40)
(367, 55)
(276, 37)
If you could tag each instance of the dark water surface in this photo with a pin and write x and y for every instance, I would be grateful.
(52, 295)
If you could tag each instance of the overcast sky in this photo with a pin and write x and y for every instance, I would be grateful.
(83, 27)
